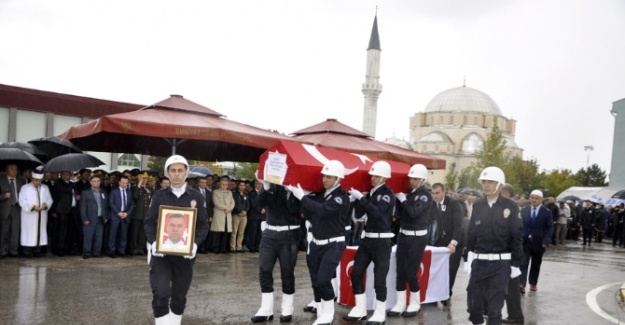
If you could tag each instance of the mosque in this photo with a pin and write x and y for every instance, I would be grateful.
(453, 126)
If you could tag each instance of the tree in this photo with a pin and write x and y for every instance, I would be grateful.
(591, 176)
(558, 180)
(451, 178)
(156, 164)
(246, 170)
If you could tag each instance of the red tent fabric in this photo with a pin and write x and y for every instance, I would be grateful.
(290, 163)
(334, 134)
(174, 125)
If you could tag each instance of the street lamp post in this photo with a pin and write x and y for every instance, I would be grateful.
(589, 149)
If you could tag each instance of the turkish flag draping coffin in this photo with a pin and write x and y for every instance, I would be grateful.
(290, 163)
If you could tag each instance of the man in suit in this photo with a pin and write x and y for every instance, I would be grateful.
(120, 207)
(141, 196)
(64, 196)
(255, 216)
(537, 230)
(205, 186)
(10, 186)
(446, 218)
(93, 210)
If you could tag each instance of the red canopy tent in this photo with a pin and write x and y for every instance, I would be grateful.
(174, 125)
(290, 163)
(334, 134)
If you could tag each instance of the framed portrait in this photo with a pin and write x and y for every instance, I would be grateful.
(175, 232)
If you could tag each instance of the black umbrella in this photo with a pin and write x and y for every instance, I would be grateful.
(19, 157)
(24, 146)
(71, 162)
(470, 191)
(55, 146)
(570, 198)
(619, 195)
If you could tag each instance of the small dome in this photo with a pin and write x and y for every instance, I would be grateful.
(463, 99)
(399, 143)
(435, 137)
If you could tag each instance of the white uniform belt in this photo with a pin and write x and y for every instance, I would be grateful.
(327, 241)
(379, 235)
(493, 257)
(413, 232)
(348, 228)
(281, 228)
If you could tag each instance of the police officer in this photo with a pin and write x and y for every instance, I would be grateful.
(494, 240)
(170, 276)
(327, 212)
(414, 211)
(279, 241)
(378, 205)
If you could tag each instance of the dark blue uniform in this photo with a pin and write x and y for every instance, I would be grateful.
(376, 246)
(412, 237)
(495, 237)
(170, 276)
(327, 213)
(280, 241)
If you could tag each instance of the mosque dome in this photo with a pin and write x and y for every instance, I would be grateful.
(463, 99)
(399, 142)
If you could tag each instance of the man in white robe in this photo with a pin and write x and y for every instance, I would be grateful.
(35, 200)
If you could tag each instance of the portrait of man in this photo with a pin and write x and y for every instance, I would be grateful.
(175, 229)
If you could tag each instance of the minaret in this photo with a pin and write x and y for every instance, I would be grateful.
(372, 88)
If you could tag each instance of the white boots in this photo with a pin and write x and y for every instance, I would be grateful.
(359, 312)
(174, 319)
(325, 312)
(414, 306)
(379, 315)
(265, 313)
(400, 305)
(163, 320)
(287, 308)
(169, 319)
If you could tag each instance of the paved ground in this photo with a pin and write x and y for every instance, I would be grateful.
(577, 284)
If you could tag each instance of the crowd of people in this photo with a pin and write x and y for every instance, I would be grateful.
(501, 236)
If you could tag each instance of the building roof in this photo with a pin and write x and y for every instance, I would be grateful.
(463, 99)
(63, 104)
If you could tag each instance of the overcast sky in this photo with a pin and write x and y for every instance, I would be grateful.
(554, 66)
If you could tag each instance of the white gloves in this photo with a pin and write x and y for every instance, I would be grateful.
(298, 192)
(355, 193)
(152, 251)
(266, 185)
(514, 272)
(401, 197)
(192, 256)
(467, 264)
(263, 226)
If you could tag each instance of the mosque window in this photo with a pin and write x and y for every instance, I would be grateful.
(475, 120)
(441, 120)
(472, 143)
(464, 120)
(431, 120)
(128, 160)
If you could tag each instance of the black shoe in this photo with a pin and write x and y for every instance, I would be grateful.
(446, 302)
(354, 319)
(112, 255)
(512, 321)
(260, 319)
(122, 254)
(85, 257)
(286, 318)
(310, 309)
(393, 313)
(410, 314)
(3, 256)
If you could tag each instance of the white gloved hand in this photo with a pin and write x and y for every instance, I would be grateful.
(152, 251)
(263, 226)
(401, 197)
(193, 252)
(467, 264)
(514, 272)
(355, 193)
(298, 192)
(266, 185)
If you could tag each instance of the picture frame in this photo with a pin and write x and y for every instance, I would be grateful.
(175, 232)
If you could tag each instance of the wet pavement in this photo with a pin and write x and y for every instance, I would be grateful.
(578, 285)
